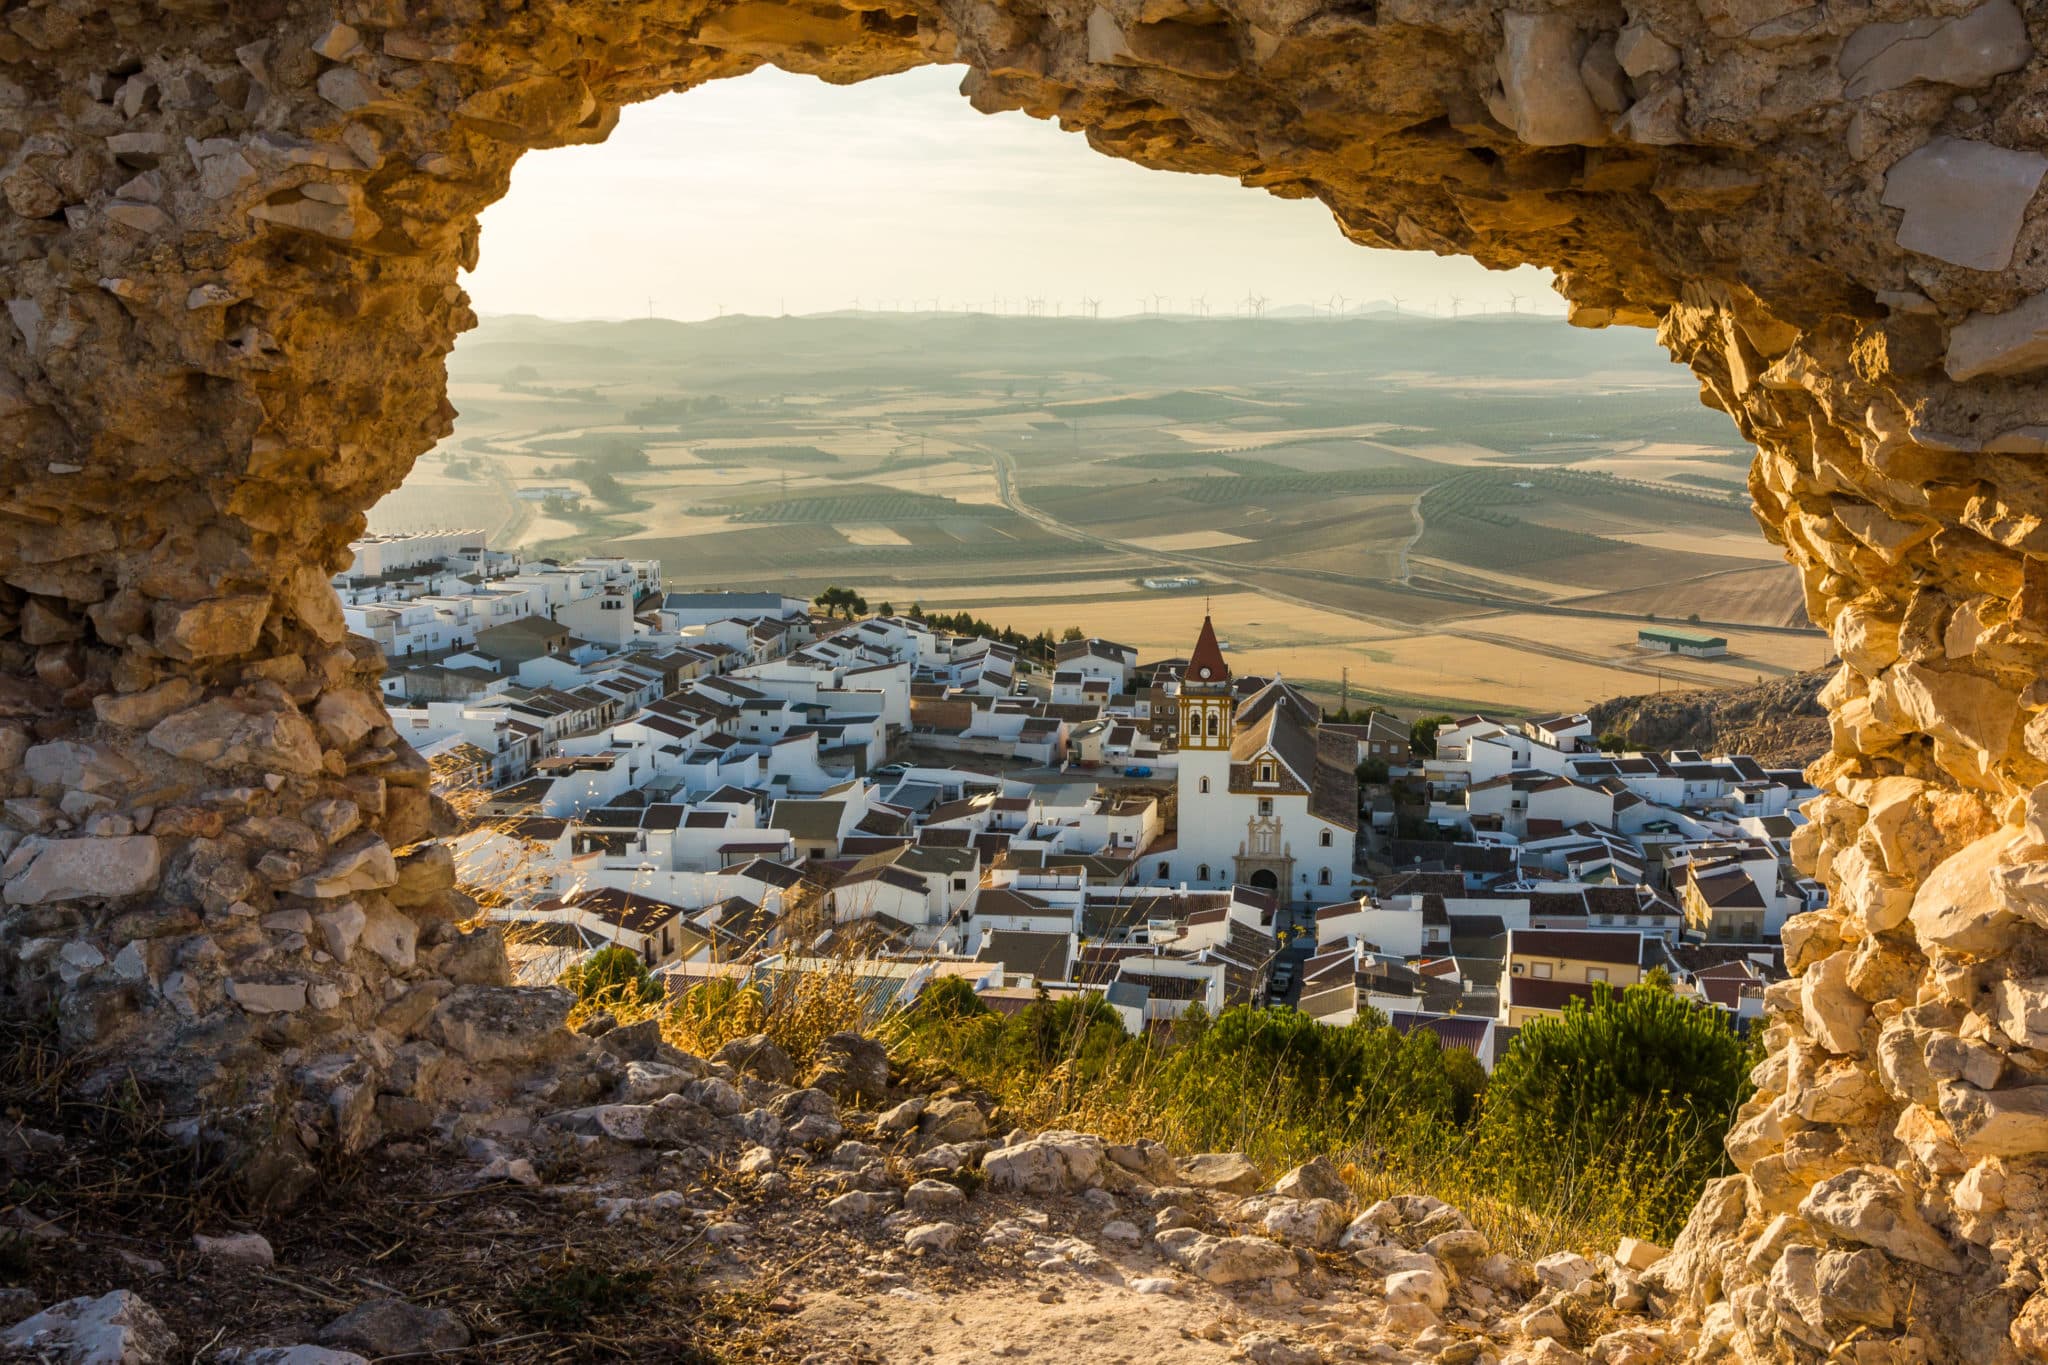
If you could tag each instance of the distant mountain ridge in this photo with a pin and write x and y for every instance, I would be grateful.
(1178, 352)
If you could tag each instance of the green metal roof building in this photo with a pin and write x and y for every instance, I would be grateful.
(1689, 642)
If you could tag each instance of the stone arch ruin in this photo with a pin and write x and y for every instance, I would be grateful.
(230, 251)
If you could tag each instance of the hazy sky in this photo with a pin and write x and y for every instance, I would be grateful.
(779, 193)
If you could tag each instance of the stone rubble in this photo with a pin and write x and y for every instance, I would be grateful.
(1295, 1264)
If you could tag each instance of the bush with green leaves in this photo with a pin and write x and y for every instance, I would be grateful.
(1602, 1123)
(612, 976)
(1422, 734)
(1273, 1083)
(1628, 1090)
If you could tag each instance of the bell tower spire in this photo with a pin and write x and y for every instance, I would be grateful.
(1205, 709)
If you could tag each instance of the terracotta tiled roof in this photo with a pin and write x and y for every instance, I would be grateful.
(1206, 664)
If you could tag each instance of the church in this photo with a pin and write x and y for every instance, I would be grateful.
(1266, 800)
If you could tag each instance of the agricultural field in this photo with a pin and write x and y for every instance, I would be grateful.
(1478, 512)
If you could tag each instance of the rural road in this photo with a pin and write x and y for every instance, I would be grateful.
(1414, 511)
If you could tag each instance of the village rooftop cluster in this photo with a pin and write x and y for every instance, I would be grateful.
(733, 785)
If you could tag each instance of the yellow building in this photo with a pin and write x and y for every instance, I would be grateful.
(1545, 969)
(1722, 904)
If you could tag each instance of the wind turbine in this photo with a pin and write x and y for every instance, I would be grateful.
(1259, 305)
(1455, 301)
(1092, 306)
(1514, 303)
(1397, 305)
(1201, 303)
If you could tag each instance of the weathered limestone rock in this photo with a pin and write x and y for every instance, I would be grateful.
(267, 997)
(502, 1023)
(1317, 1178)
(1543, 95)
(1953, 909)
(1312, 1223)
(1834, 1013)
(1873, 1206)
(219, 627)
(1229, 1172)
(952, 1121)
(1237, 1260)
(114, 1329)
(72, 766)
(223, 734)
(1050, 1163)
(81, 868)
(1964, 200)
(1966, 51)
(2002, 1123)
(1637, 1254)
(240, 1248)
(852, 1068)
(757, 1055)
(2011, 342)
(365, 866)
(389, 1327)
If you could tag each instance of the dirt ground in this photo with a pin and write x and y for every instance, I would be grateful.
(1101, 1323)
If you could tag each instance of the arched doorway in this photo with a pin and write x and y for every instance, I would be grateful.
(1265, 880)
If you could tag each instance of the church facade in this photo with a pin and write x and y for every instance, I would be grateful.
(1265, 800)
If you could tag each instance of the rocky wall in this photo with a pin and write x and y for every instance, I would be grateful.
(228, 261)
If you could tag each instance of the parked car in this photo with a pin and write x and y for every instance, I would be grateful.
(889, 772)
(1137, 772)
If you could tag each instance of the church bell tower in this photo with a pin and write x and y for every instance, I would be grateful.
(1205, 700)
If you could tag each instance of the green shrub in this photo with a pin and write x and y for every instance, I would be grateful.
(1422, 734)
(1601, 1124)
(612, 976)
(566, 1297)
(1632, 1090)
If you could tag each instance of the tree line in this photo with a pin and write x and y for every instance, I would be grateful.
(1042, 648)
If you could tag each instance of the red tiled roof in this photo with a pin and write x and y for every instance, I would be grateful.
(1206, 663)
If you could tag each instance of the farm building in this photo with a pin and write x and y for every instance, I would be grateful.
(1688, 642)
